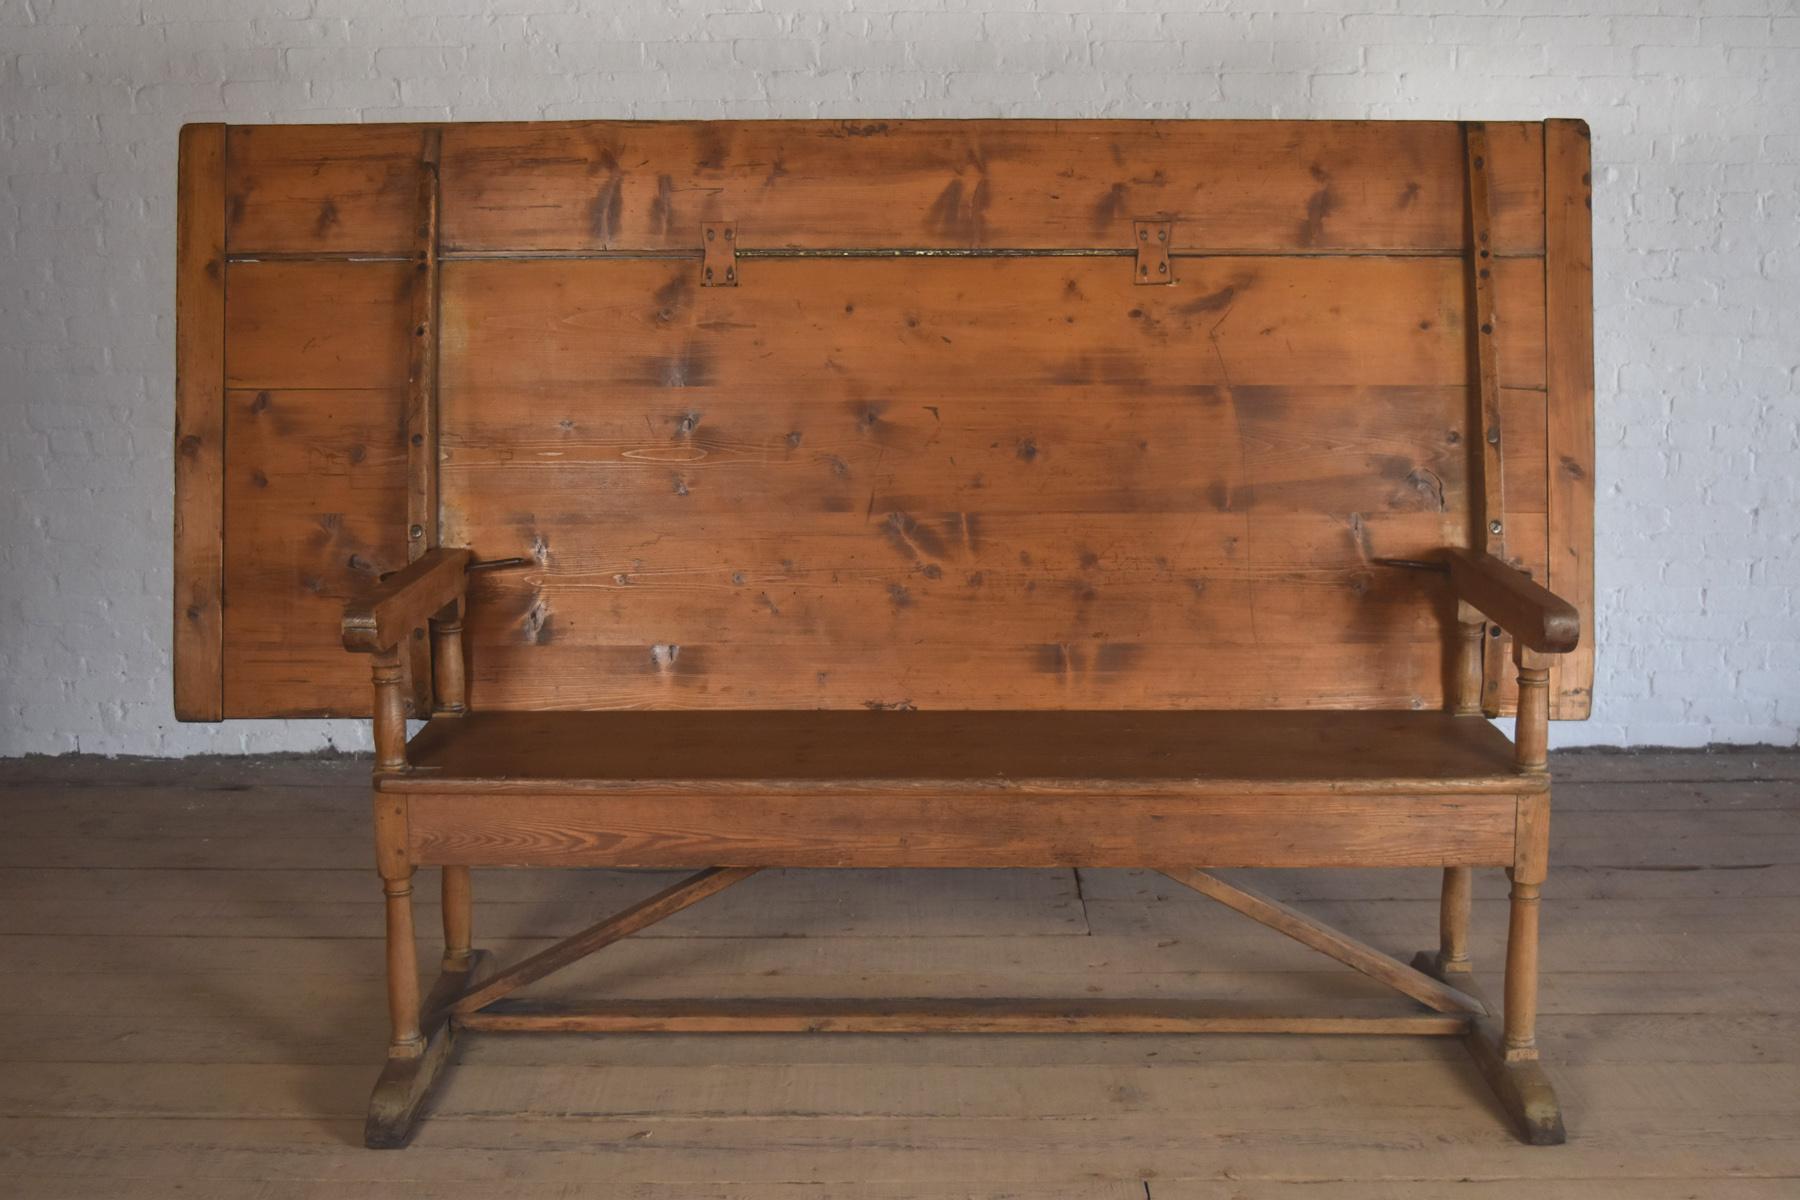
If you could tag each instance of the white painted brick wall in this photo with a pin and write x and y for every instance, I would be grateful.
(1697, 211)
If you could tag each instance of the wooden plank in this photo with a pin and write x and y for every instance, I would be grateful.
(972, 325)
(1180, 754)
(1488, 493)
(949, 438)
(877, 674)
(955, 829)
(984, 1016)
(1484, 339)
(323, 189)
(1280, 1125)
(422, 517)
(940, 579)
(1333, 943)
(317, 499)
(314, 325)
(1329, 448)
(200, 425)
(1569, 372)
(1317, 186)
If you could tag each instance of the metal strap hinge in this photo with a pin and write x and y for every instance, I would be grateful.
(1153, 238)
(718, 254)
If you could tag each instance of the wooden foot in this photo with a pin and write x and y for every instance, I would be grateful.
(1521, 1086)
(407, 1080)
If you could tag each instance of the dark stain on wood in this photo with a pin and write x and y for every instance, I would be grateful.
(1318, 207)
(662, 209)
(1112, 658)
(672, 297)
(1110, 208)
(1215, 301)
(608, 205)
(912, 539)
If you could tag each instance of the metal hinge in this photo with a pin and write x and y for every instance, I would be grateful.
(1153, 238)
(718, 254)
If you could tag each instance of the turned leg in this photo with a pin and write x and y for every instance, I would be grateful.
(1522, 972)
(402, 969)
(1453, 920)
(422, 1034)
(1506, 1050)
(395, 864)
(1530, 860)
(457, 918)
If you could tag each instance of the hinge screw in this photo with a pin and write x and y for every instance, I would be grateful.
(1493, 527)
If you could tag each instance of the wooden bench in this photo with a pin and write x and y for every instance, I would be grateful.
(724, 496)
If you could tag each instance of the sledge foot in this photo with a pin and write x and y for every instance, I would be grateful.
(1522, 1088)
(406, 1082)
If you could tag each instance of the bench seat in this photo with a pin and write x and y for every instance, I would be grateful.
(961, 789)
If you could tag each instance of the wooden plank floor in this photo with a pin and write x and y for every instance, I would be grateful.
(191, 1005)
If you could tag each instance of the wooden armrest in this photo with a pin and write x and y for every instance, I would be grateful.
(405, 600)
(1535, 616)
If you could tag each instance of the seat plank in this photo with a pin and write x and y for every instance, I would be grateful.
(1017, 752)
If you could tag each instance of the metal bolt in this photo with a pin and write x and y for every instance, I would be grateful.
(1493, 527)
(1162, 268)
(709, 272)
(1143, 235)
(711, 234)
(1162, 235)
(417, 531)
(730, 234)
(730, 274)
(1493, 437)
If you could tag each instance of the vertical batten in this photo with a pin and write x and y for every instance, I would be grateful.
(1569, 374)
(1487, 490)
(422, 518)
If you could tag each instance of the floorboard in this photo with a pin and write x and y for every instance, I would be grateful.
(191, 1005)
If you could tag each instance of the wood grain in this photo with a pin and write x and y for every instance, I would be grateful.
(958, 828)
(907, 405)
(316, 503)
(985, 1016)
(200, 425)
(318, 325)
(312, 189)
(975, 324)
(1020, 753)
(1569, 372)
(1292, 186)
(1307, 362)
